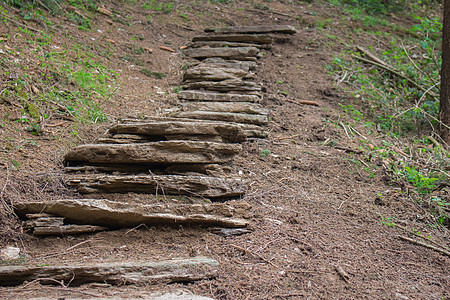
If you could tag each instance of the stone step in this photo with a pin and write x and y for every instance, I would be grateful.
(230, 63)
(111, 214)
(214, 73)
(230, 85)
(245, 38)
(218, 44)
(239, 53)
(226, 116)
(251, 131)
(179, 130)
(232, 107)
(192, 95)
(164, 152)
(215, 170)
(117, 273)
(288, 29)
(192, 185)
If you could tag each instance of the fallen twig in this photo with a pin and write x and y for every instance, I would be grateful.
(372, 56)
(390, 69)
(345, 129)
(418, 235)
(286, 137)
(166, 48)
(254, 254)
(57, 124)
(302, 102)
(20, 24)
(342, 273)
(442, 251)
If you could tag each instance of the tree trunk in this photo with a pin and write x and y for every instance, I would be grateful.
(444, 111)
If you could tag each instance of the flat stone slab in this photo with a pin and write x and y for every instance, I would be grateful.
(164, 152)
(193, 95)
(232, 107)
(111, 214)
(245, 38)
(118, 273)
(251, 131)
(180, 130)
(213, 73)
(226, 116)
(288, 29)
(226, 62)
(217, 44)
(229, 85)
(192, 185)
(231, 53)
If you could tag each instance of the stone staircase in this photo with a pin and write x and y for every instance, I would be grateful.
(189, 153)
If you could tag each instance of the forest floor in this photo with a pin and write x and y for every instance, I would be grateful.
(315, 207)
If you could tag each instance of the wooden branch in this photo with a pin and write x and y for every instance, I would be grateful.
(301, 102)
(342, 273)
(255, 255)
(442, 251)
(371, 56)
(20, 24)
(395, 72)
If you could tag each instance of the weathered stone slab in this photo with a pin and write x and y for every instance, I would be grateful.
(217, 44)
(193, 95)
(229, 85)
(213, 73)
(193, 185)
(232, 107)
(246, 38)
(225, 116)
(288, 29)
(170, 130)
(164, 152)
(67, 230)
(119, 273)
(173, 169)
(217, 60)
(224, 64)
(101, 212)
(231, 53)
(251, 131)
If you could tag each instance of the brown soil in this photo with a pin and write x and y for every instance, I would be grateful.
(314, 207)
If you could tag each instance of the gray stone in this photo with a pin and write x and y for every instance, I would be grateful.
(192, 185)
(255, 29)
(181, 130)
(230, 63)
(251, 131)
(164, 152)
(193, 95)
(118, 273)
(217, 44)
(245, 38)
(226, 116)
(229, 85)
(101, 212)
(232, 107)
(213, 73)
(67, 230)
(240, 53)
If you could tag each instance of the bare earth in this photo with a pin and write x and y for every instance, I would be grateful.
(316, 216)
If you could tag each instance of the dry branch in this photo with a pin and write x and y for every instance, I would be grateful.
(442, 251)
(304, 102)
(393, 71)
(371, 56)
(254, 254)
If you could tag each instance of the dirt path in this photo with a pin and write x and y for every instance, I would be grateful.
(318, 230)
